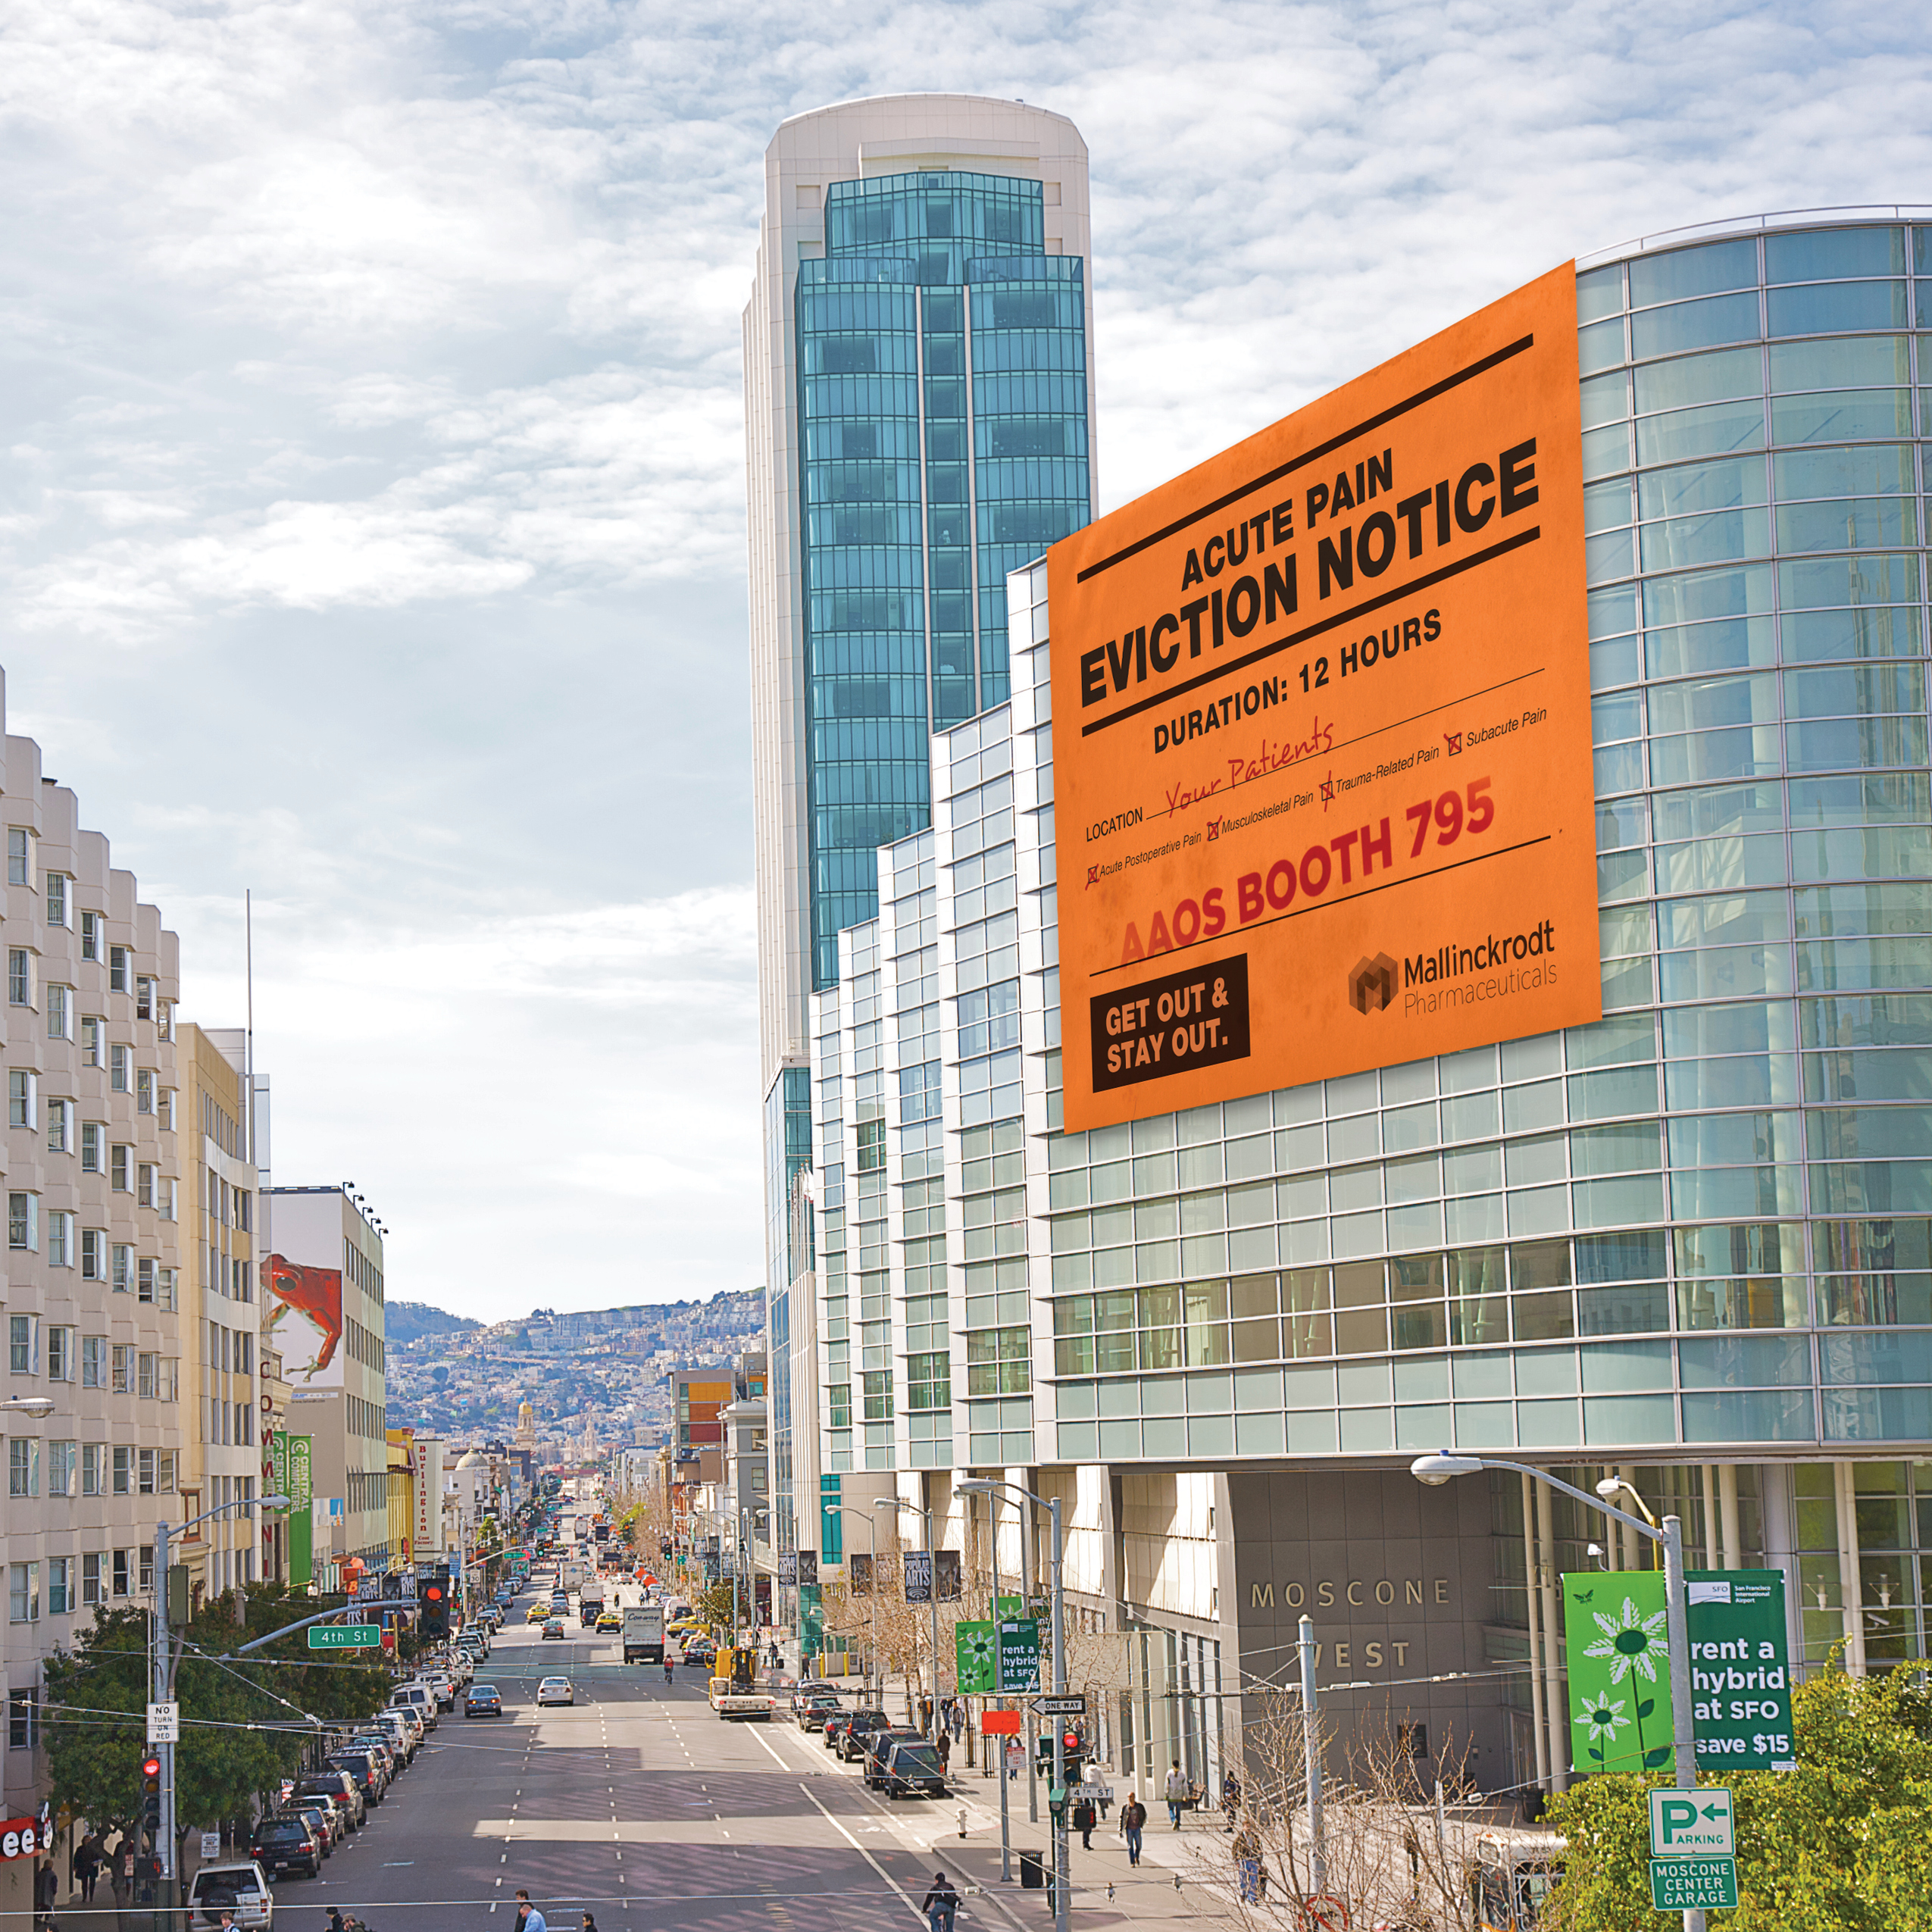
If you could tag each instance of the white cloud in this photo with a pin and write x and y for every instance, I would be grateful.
(372, 391)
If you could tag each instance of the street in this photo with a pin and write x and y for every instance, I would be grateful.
(636, 1805)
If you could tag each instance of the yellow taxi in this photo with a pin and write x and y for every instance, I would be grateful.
(538, 1613)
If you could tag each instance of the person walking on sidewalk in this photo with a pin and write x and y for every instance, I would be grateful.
(1133, 1822)
(942, 1746)
(1230, 1798)
(940, 1903)
(1178, 1793)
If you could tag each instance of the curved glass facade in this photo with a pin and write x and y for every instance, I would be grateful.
(942, 405)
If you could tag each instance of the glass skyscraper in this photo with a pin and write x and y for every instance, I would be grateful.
(917, 383)
(1689, 1245)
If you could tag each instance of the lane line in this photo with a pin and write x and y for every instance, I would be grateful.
(838, 1827)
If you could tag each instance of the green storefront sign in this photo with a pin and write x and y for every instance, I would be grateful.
(1617, 1646)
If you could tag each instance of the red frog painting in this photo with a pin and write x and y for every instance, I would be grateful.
(315, 1294)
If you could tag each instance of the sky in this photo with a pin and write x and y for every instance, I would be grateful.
(372, 533)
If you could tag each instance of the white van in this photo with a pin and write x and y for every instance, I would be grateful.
(418, 1698)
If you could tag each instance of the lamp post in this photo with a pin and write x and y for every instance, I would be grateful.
(932, 1587)
(986, 1486)
(1612, 1486)
(166, 1658)
(1437, 1469)
(871, 1522)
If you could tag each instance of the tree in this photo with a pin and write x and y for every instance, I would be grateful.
(1839, 1844)
(238, 1738)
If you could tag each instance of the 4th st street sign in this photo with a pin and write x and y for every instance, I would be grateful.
(344, 1637)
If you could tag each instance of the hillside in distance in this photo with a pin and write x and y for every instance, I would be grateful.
(404, 1322)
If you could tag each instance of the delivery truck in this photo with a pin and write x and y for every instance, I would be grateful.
(644, 1634)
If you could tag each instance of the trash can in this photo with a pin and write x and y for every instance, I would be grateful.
(1032, 1871)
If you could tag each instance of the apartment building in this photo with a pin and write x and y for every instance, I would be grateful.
(94, 1392)
(323, 1299)
(221, 1412)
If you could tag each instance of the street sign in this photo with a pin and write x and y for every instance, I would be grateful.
(210, 1845)
(344, 1637)
(999, 1724)
(1688, 1884)
(164, 1724)
(1692, 1823)
(1072, 1706)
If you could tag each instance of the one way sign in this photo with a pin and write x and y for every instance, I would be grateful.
(1692, 1823)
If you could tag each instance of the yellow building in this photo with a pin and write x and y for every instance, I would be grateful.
(402, 1496)
(223, 1444)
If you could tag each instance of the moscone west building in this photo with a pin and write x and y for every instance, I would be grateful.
(1690, 1244)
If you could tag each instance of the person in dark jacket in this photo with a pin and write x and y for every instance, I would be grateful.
(940, 1903)
(1085, 1818)
(46, 1889)
(1133, 1822)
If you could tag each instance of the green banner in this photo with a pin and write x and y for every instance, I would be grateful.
(1620, 1673)
(972, 1658)
(291, 1456)
(1019, 1654)
(1615, 1638)
(1740, 1677)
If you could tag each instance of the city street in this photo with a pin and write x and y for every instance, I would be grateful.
(635, 1804)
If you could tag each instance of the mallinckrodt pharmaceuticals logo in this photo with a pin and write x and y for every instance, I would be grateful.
(1372, 984)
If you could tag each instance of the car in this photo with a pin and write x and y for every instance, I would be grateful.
(537, 1614)
(610, 1621)
(849, 1740)
(556, 1690)
(331, 1826)
(441, 1686)
(362, 1768)
(377, 1745)
(404, 1737)
(331, 1781)
(482, 1700)
(287, 1843)
(554, 1627)
(812, 1708)
(418, 1698)
(912, 1769)
(239, 1888)
(878, 1744)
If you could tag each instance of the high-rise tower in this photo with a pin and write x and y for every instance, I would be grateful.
(917, 423)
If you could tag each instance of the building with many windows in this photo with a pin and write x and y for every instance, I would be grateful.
(94, 1423)
(323, 1301)
(221, 1411)
(918, 350)
(1690, 1246)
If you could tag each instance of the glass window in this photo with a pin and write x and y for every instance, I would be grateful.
(1819, 307)
(1695, 325)
(1707, 269)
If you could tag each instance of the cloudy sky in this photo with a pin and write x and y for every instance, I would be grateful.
(371, 513)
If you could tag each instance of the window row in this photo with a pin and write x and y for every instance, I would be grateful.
(87, 1469)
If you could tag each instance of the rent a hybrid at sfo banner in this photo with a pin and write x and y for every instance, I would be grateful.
(1321, 736)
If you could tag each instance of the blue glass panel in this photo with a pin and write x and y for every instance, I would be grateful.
(1695, 271)
(1819, 308)
(1821, 254)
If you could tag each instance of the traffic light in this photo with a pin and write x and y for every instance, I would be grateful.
(1072, 1749)
(433, 1620)
(150, 1804)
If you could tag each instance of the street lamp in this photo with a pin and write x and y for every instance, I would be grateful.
(29, 1405)
(986, 1486)
(166, 1659)
(1610, 1487)
(932, 1585)
(871, 1522)
(1438, 1468)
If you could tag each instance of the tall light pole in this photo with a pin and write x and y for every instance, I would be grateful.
(871, 1522)
(1437, 1469)
(165, 1660)
(932, 1584)
(986, 1486)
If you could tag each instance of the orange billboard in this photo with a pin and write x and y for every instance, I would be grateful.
(1321, 736)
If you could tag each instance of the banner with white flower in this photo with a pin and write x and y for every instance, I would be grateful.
(1615, 1624)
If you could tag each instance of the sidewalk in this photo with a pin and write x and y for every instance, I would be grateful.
(1105, 1889)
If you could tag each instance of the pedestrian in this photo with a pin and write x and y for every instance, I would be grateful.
(1178, 1793)
(942, 1746)
(46, 1889)
(1133, 1822)
(959, 1720)
(941, 1902)
(335, 1920)
(590, 1923)
(87, 1860)
(1246, 1851)
(1085, 1818)
(1230, 1798)
(529, 1919)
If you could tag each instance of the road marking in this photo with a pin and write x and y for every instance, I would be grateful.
(837, 1826)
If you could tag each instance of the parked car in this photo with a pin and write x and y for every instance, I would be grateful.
(375, 1740)
(877, 1744)
(813, 1707)
(362, 1767)
(240, 1889)
(418, 1698)
(912, 1769)
(287, 1843)
(329, 1781)
(405, 1734)
(849, 1741)
(325, 1817)
(482, 1700)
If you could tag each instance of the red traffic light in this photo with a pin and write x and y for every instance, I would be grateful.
(151, 1767)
